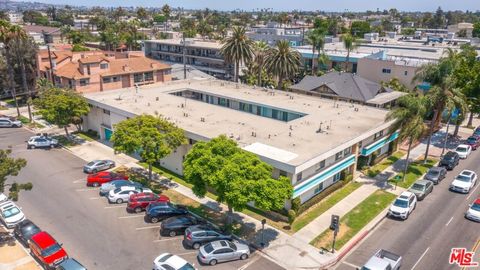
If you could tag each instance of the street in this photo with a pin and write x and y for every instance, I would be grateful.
(98, 234)
(435, 227)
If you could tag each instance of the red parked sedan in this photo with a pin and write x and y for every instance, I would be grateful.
(139, 202)
(474, 142)
(47, 250)
(99, 178)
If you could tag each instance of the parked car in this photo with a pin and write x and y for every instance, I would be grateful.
(139, 202)
(473, 141)
(70, 264)
(168, 261)
(450, 160)
(25, 230)
(198, 235)
(156, 212)
(436, 174)
(174, 226)
(47, 250)
(121, 194)
(99, 178)
(106, 187)
(383, 260)
(403, 206)
(476, 132)
(473, 212)
(9, 122)
(223, 251)
(463, 150)
(421, 188)
(41, 142)
(464, 182)
(11, 214)
(98, 165)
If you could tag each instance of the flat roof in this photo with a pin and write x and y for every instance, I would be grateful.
(190, 42)
(293, 143)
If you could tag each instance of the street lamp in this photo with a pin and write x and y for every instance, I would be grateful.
(262, 243)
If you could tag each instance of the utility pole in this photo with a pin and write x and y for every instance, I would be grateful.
(334, 226)
(51, 64)
(184, 59)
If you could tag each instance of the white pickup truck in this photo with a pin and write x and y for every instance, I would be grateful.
(383, 260)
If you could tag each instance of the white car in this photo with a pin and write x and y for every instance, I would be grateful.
(167, 261)
(122, 194)
(463, 150)
(403, 206)
(41, 142)
(9, 122)
(464, 182)
(11, 214)
(473, 212)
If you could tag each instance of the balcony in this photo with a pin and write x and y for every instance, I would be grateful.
(367, 150)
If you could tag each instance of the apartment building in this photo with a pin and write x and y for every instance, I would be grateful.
(203, 55)
(273, 32)
(314, 142)
(99, 71)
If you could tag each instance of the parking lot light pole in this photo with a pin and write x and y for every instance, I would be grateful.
(262, 243)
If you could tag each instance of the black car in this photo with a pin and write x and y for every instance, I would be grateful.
(450, 160)
(435, 174)
(156, 212)
(177, 225)
(198, 235)
(24, 230)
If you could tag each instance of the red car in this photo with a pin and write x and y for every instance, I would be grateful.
(474, 142)
(99, 178)
(139, 202)
(48, 251)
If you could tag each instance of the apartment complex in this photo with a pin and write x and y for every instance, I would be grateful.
(273, 32)
(203, 55)
(99, 71)
(314, 142)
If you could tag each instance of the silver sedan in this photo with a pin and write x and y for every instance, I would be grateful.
(223, 251)
(98, 165)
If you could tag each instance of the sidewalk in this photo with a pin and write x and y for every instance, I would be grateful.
(14, 257)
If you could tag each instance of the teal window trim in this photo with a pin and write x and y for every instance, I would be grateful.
(315, 180)
(378, 144)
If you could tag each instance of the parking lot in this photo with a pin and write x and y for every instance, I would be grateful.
(98, 234)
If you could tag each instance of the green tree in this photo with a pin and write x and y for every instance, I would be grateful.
(142, 13)
(260, 51)
(159, 18)
(61, 106)
(476, 29)
(359, 28)
(237, 48)
(407, 119)
(317, 40)
(396, 85)
(349, 43)
(283, 62)
(166, 11)
(152, 137)
(11, 167)
(237, 176)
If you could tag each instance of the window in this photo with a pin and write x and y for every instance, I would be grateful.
(106, 111)
(378, 135)
(360, 144)
(115, 79)
(283, 173)
(299, 177)
(339, 155)
(347, 152)
(148, 76)
(104, 66)
(337, 176)
(107, 79)
(405, 73)
(84, 82)
(320, 165)
(318, 188)
(386, 71)
(138, 77)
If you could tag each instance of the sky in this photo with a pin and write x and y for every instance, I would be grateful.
(324, 5)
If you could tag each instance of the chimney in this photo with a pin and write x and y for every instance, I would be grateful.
(126, 68)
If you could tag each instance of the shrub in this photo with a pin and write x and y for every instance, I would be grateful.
(296, 204)
(292, 215)
(314, 200)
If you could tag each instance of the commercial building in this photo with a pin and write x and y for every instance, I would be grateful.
(99, 71)
(273, 32)
(315, 142)
(201, 54)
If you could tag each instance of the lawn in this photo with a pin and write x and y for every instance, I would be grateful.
(355, 220)
(415, 170)
(323, 206)
(382, 165)
(26, 122)
(64, 141)
(85, 136)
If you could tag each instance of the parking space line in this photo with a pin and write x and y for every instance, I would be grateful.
(450, 220)
(165, 239)
(419, 259)
(131, 216)
(471, 193)
(116, 206)
(86, 189)
(148, 227)
(248, 264)
(186, 253)
(352, 265)
(79, 181)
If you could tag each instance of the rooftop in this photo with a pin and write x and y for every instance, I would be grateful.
(325, 126)
(190, 42)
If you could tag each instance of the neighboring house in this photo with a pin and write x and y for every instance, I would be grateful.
(347, 87)
(315, 142)
(48, 34)
(272, 33)
(201, 54)
(98, 71)
(457, 28)
(14, 17)
(80, 24)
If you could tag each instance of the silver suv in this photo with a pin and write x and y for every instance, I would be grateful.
(198, 235)
(9, 122)
(41, 142)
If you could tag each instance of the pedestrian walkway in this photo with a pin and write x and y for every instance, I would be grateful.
(14, 257)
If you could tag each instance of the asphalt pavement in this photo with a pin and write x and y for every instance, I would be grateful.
(98, 234)
(435, 227)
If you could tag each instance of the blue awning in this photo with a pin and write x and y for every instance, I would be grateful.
(322, 176)
(367, 150)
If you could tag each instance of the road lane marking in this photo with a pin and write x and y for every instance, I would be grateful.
(148, 227)
(131, 216)
(79, 181)
(248, 264)
(352, 265)
(86, 189)
(421, 257)
(450, 220)
(116, 206)
(471, 193)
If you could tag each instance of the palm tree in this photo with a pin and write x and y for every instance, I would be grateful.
(349, 43)
(283, 62)
(260, 51)
(237, 48)
(317, 40)
(408, 121)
